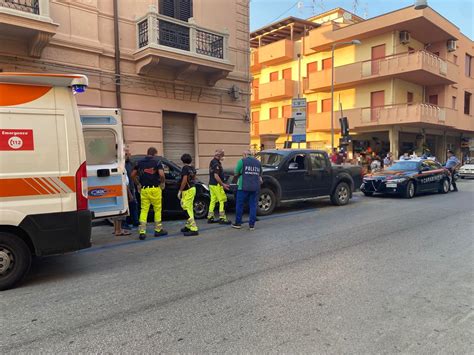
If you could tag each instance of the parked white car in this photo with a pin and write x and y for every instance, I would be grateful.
(466, 170)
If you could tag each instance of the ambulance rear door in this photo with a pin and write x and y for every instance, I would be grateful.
(105, 161)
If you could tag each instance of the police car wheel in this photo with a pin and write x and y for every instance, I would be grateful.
(266, 202)
(368, 193)
(15, 260)
(410, 190)
(444, 186)
(341, 194)
(462, 177)
(201, 208)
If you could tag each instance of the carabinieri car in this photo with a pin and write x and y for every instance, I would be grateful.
(407, 178)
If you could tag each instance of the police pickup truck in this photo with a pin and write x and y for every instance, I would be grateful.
(292, 175)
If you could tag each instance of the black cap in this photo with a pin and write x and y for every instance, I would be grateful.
(450, 151)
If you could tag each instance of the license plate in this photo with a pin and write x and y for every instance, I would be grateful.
(391, 184)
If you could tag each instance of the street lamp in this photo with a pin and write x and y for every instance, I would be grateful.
(355, 42)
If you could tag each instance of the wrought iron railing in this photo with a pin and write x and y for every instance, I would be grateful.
(30, 6)
(156, 29)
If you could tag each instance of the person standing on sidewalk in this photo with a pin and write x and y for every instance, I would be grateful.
(217, 188)
(132, 219)
(452, 164)
(249, 171)
(186, 194)
(151, 178)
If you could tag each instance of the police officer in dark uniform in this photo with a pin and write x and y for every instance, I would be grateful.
(249, 171)
(151, 179)
(452, 164)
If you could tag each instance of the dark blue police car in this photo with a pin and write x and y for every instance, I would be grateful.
(407, 178)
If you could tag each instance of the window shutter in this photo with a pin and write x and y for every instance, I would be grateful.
(167, 7)
(184, 9)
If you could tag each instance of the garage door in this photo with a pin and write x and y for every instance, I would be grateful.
(178, 135)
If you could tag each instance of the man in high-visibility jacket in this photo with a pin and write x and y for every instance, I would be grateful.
(186, 194)
(151, 180)
(217, 188)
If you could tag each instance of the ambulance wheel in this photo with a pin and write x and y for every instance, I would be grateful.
(201, 207)
(444, 186)
(341, 194)
(266, 202)
(15, 260)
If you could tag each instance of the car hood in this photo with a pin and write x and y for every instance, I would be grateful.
(390, 174)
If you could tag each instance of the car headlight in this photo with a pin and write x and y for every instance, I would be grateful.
(397, 181)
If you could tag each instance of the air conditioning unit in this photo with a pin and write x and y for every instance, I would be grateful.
(404, 37)
(451, 45)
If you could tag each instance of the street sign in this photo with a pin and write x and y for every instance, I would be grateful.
(298, 138)
(298, 110)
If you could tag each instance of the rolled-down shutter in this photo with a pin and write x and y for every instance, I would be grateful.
(178, 135)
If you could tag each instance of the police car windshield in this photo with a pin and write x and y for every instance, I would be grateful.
(404, 165)
(272, 160)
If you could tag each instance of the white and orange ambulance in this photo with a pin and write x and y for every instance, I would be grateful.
(43, 173)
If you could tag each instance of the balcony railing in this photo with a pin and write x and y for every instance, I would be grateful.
(158, 30)
(272, 127)
(254, 129)
(404, 113)
(277, 90)
(29, 6)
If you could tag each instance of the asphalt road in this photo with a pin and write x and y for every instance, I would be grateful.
(381, 275)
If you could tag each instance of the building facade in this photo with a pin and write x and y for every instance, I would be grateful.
(177, 69)
(406, 87)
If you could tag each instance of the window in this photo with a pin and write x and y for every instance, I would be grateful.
(287, 111)
(273, 112)
(327, 63)
(299, 161)
(287, 74)
(311, 68)
(100, 146)
(326, 105)
(433, 100)
(453, 102)
(312, 109)
(179, 9)
(274, 76)
(468, 66)
(318, 161)
(467, 103)
(409, 97)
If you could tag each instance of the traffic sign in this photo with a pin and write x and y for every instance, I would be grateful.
(298, 108)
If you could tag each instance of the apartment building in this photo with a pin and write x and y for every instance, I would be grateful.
(407, 86)
(177, 69)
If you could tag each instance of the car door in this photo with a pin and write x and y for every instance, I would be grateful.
(320, 173)
(427, 179)
(296, 180)
(107, 192)
(170, 199)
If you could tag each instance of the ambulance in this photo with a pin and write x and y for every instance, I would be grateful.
(43, 173)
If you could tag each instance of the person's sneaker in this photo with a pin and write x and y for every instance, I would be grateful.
(211, 220)
(142, 236)
(224, 221)
(236, 225)
(184, 229)
(190, 233)
(252, 228)
(161, 233)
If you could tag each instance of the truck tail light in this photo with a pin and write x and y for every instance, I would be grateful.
(81, 187)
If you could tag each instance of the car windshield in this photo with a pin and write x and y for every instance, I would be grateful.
(272, 160)
(404, 165)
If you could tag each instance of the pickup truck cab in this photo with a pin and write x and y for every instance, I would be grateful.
(292, 175)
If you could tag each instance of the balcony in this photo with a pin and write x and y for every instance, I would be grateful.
(321, 121)
(272, 127)
(277, 90)
(403, 114)
(254, 129)
(419, 67)
(255, 99)
(255, 66)
(29, 21)
(183, 48)
(276, 53)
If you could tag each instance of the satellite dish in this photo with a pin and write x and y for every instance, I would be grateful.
(347, 16)
(421, 4)
(300, 5)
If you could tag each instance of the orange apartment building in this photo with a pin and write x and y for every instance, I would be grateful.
(177, 69)
(408, 85)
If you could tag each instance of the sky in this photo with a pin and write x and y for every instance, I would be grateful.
(264, 12)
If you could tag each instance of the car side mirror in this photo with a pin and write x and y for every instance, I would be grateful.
(293, 166)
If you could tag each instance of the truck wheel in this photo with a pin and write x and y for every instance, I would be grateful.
(201, 208)
(368, 193)
(444, 186)
(341, 194)
(266, 202)
(15, 260)
(410, 190)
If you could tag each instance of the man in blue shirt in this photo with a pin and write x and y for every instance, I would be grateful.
(452, 164)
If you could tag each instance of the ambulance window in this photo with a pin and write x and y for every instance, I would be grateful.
(101, 146)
